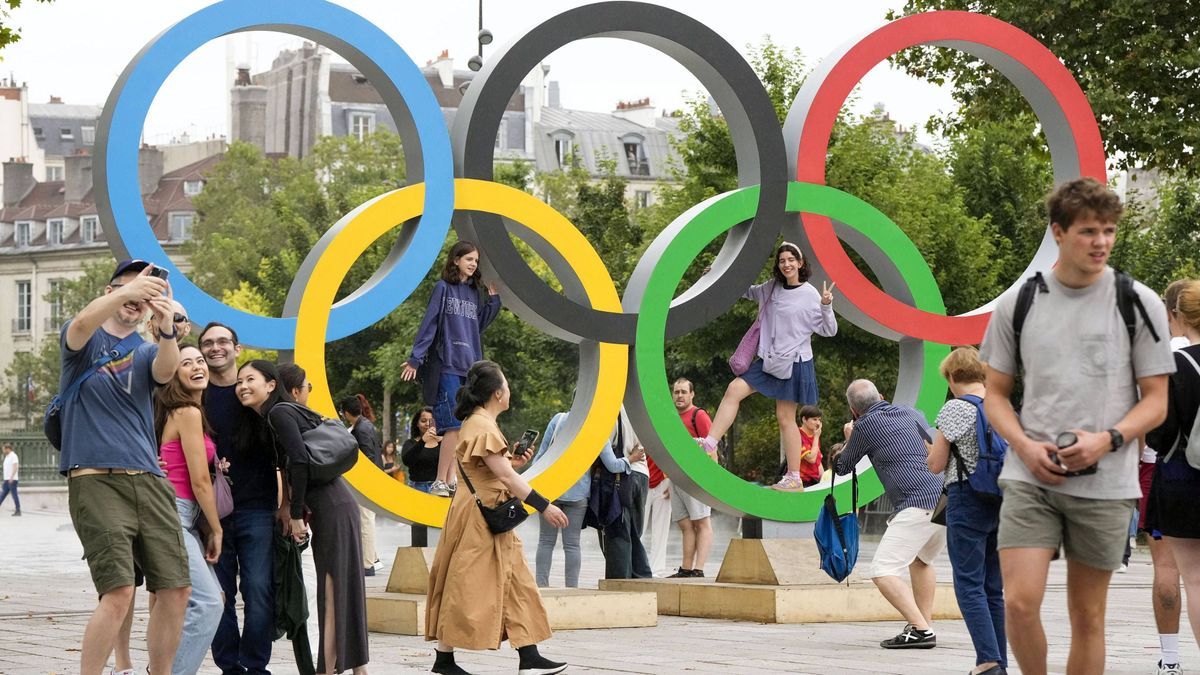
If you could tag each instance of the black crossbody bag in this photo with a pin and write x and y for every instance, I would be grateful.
(499, 519)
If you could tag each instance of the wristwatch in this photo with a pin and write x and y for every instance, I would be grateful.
(1118, 439)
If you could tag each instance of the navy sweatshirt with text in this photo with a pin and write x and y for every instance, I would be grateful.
(456, 320)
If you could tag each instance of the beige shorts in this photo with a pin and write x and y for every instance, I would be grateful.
(909, 535)
(1091, 531)
(685, 506)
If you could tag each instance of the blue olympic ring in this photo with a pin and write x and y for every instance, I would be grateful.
(369, 49)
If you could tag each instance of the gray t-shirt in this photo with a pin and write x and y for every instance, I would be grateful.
(1080, 373)
(110, 423)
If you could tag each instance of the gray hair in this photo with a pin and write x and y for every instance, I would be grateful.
(862, 394)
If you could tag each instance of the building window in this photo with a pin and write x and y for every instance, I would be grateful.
(88, 134)
(54, 173)
(641, 198)
(24, 321)
(38, 133)
(192, 188)
(56, 317)
(54, 231)
(24, 229)
(181, 226)
(635, 156)
(66, 134)
(89, 227)
(361, 124)
(564, 151)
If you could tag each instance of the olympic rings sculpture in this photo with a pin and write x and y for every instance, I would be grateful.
(781, 191)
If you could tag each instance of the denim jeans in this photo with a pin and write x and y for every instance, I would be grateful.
(11, 486)
(422, 485)
(548, 537)
(248, 552)
(204, 606)
(971, 526)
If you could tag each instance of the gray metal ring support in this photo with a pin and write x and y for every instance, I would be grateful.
(757, 142)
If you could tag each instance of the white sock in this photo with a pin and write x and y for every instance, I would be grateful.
(1170, 647)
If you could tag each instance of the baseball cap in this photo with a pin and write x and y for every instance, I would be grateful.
(128, 265)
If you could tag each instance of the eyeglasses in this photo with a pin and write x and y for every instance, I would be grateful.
(181, 318)
(219, 342)
(308, 385)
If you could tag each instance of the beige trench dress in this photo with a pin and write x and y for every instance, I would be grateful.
(480, 589)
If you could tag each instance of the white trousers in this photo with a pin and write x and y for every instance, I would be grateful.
(657, 527)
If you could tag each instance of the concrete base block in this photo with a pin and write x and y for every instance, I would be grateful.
(410, 570)
(710, 599)
(774, 562)
(567, 609)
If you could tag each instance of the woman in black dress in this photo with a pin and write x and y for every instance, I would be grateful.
(337, 546)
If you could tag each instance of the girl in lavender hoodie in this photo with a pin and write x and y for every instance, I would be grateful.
(794, 310)
(448, 342)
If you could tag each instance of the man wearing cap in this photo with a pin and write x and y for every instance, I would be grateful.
(121, 504)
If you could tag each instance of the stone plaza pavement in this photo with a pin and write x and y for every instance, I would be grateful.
(46, 597)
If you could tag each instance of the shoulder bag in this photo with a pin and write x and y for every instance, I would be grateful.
(52, 421)
(499, 519)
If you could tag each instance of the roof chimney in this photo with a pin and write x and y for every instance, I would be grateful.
(242, 79)
(78, 177)
(552, 95)
(18, 181)
(639, 112)
(56, 99)
(445, 68)
(150, 168)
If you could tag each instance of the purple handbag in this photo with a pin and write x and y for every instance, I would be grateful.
(221, 491)
(746, 350)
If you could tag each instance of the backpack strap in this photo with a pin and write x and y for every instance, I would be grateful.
(1029, 290)
(119, 351)
(1127, 300)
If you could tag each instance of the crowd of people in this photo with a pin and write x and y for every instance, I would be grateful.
(188, 470)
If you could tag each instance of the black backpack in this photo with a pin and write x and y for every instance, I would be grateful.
(331, 449)
(1127, 301)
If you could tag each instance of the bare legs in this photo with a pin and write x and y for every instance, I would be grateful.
(735, 393)
(446, 467)
(102, 629)
(1187, 556)
(1024, 571)
(789, 433)
(915, 604)
(697, 542)
(165, 627)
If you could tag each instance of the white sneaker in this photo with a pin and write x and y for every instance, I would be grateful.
(1169, 668)
(439, 489)
(1123, 569)
(130, 671)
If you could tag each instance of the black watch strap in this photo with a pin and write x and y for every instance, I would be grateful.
(1118, 439)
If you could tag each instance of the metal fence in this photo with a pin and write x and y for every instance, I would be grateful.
(39, 459)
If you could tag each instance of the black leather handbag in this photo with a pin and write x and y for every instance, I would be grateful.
(499, 519)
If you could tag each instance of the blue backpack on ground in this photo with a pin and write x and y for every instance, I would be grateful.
(985, 480)
(837, 535)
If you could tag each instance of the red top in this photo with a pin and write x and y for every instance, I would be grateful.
(656, 474)
(810, 472)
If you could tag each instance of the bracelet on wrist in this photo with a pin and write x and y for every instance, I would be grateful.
(537, 501)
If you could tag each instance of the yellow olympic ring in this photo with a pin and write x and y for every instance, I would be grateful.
(374, 220)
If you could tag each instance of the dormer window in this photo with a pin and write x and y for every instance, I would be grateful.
(635, 155)
(89, 228)
(192, 188)
(24, 230)
(54, 231)
(564, 148)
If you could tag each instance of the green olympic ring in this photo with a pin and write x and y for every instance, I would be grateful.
(708, 221)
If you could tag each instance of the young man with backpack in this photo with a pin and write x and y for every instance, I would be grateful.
(693, 515)
(969, 455)
(1086, 340)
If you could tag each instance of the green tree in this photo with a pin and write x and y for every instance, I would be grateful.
(9, 34)
(1159, 243)
(1135, 60)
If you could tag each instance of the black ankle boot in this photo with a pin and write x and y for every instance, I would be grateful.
(443, 664)
(533, 663)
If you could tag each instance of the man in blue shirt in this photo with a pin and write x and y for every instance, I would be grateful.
(122, 506)
(894, 438)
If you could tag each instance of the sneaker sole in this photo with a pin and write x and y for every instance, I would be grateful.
(788, 489)
(915, 645)
(542, 671)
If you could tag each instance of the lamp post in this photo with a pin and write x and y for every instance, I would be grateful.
(484, 37)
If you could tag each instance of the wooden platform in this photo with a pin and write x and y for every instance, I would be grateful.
(567, 608)
(807, 603)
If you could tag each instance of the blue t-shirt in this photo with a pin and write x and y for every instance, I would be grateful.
(110, 422)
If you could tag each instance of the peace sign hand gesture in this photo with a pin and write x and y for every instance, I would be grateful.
(827, 293)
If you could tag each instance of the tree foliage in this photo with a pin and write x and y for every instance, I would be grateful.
(1136, 61)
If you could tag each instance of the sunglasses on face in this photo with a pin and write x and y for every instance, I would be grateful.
(180, 318)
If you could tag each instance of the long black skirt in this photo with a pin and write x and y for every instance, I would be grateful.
(337, 553)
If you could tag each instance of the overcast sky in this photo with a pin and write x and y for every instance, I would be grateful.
(75, 49)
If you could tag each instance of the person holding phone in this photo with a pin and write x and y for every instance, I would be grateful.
(422, 450)
(480, 588)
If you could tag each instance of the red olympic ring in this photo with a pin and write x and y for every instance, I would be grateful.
(949, 28)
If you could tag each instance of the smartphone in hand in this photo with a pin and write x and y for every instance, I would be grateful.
(526, 442)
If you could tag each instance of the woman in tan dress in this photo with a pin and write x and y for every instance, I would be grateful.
(480, 589)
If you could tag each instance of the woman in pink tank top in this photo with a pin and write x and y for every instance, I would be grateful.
(187, 449)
